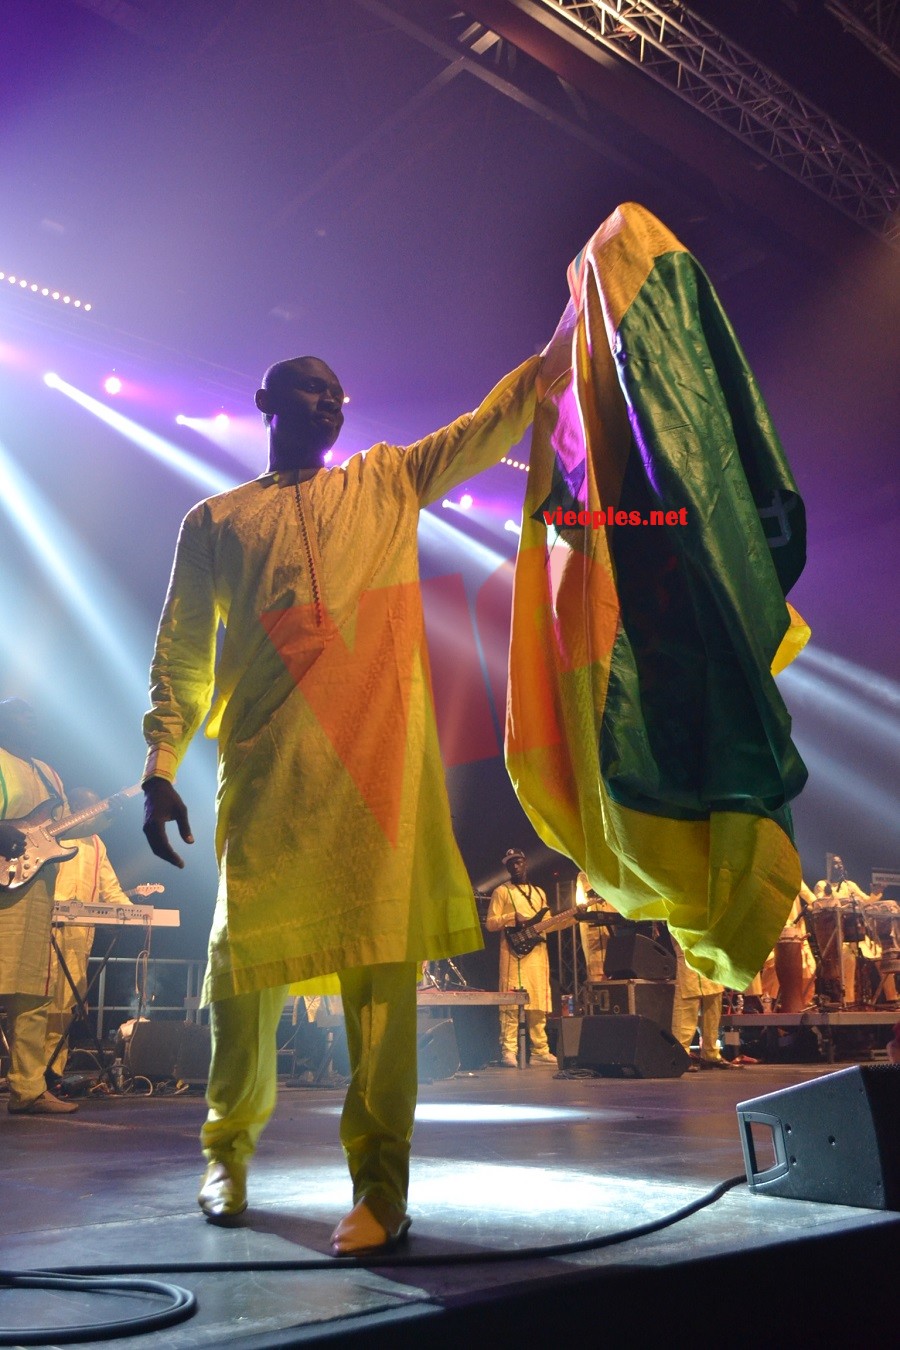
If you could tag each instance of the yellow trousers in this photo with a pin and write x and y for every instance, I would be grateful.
(509, 1030)
(379, 1109)
(27, 1020)
(684, 1021)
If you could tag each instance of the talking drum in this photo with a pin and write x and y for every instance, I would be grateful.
(789, 969)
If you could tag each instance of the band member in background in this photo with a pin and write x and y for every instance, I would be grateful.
(326, 733)
(514, 904)
(90, 878)
(25, 915)
(837, 890)
(593, 937)
(696, 997)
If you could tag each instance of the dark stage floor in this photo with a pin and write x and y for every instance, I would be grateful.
(502, 1159)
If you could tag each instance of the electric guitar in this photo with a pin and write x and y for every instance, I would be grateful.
(42, 836)
(523, 939)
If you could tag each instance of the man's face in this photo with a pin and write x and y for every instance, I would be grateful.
(516, 869)
(306, 405)
(18, 728)
(837, 866)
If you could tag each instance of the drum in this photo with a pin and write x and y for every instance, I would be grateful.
(853, 920)
(884, 917)
(789, 969)
(824, 920)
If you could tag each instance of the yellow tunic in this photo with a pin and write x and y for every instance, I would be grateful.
(333, 828)
(25, 912)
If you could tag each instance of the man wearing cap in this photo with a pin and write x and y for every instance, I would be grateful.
(515, 904)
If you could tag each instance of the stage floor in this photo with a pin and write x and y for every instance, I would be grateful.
(502, 1159)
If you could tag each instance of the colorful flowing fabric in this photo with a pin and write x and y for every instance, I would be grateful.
(646, 737)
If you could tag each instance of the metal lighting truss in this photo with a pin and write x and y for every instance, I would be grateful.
(682, 52)
(875, 23)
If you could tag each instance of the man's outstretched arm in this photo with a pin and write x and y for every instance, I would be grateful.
(181, 683)
(477, 439)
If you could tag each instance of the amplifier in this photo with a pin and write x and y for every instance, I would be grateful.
(653, 999)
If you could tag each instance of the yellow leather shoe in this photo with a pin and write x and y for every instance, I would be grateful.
(223, 1192)
(373, 1225)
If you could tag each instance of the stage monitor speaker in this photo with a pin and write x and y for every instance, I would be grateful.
(836, 1139)
(153, 1049)
(632, 956)
(437, 1049)
(621, 1047)
(194, 1052)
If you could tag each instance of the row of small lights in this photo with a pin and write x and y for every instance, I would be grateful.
(515, 464)
(44, 291)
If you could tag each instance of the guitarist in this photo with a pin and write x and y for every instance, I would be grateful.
(25, 915)
(516, 904)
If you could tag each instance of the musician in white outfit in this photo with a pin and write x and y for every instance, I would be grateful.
(515, 904)
(25, 913)
(838, 891)
(90, 878)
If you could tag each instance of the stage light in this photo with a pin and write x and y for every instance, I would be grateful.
(112, 384)
(92, 598)
(222, 419)
(466, 501)
(51, 380)
(208, 477)
(438, 533)
(328, 457)
(811, 691)
(512, 526)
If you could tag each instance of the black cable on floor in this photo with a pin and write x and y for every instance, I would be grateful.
(397, 1261)
(182, 1304)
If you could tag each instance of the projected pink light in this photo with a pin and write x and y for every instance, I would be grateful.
(112, 384)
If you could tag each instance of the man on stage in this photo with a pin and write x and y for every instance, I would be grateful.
(514, 904)
(336, 854)
(25, 915)
(88, 877)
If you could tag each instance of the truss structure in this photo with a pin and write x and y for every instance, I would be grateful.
(685, 54)
(875, 23)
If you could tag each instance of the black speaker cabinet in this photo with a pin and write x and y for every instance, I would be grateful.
(653, 999)
(159, 1050)
(153, 1049)
(194, 1052)
(620, 1047)
(835, 1139)
(632, 956)
(437, 1049)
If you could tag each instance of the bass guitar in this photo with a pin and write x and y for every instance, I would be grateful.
(524, 938)
(42, 836)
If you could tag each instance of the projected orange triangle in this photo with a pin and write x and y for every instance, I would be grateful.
(359, 694)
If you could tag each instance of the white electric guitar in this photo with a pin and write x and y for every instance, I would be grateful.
(42, 836)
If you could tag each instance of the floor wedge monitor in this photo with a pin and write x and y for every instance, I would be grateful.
(835, 1139)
